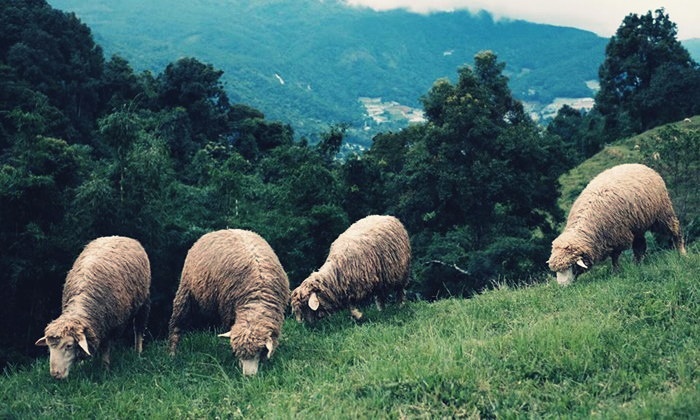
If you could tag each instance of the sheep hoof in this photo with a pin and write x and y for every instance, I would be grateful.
(356, 314)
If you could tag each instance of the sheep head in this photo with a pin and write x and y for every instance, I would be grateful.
(567, 261)
(251, 344)
(309, 303)
(66, 343)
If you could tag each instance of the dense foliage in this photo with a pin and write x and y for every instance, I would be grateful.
(476, 184)
(89, 147)
(647, 79)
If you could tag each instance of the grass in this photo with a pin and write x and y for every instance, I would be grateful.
(625, 150)
(623, 345)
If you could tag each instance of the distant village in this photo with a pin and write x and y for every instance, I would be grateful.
(380, 112)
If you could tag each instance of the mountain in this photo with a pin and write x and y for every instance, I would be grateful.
(693, 47)
(313, 63)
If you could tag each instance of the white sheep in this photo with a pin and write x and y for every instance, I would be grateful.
(107, 288)
(371, 258)
(234, 276)
(611, 215)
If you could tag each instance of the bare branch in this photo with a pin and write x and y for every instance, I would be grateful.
(453, 266)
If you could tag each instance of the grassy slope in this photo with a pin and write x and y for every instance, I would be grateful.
(619, 152)
(610, 346)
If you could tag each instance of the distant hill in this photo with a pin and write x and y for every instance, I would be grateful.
(308, 62)
(693, 47)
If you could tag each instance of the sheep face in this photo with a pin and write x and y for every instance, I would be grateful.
(250, 348)
(309, 305)
(568, 263)
(63, 351)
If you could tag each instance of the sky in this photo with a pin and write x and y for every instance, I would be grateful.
(600, 16)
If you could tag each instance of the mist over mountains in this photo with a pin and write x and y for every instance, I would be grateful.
(313, 63)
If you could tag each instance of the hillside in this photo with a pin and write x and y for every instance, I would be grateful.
(609, 346)
(310, 62)
(681, 180)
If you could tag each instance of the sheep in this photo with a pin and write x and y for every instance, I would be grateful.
(611, 215)
(108, 286)
(235, 277)
(371, 258)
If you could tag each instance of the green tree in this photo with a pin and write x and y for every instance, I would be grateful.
(300, 207)
(481, 182)
(648, 78)
(567, 125)
(197, 88)
(38, 179)
(119, 85)
(55, 54)
(331, 141)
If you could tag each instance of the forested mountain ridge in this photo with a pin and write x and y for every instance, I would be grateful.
(308, 62)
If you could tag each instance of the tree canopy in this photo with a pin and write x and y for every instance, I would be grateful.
(648, 78)
(477, 183)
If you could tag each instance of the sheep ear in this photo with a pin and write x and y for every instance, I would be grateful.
(580, 263)
(41, 342)
(313, 302)
(270, 345)
(82, 342)
(227, 334)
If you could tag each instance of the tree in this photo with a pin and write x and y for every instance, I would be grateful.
(481, 181)
(647, 78)
(331, 141)
(38, 179)
(55, 54)
(119, 85)
(197, 88)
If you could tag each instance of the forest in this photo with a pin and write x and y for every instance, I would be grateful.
(89, 148)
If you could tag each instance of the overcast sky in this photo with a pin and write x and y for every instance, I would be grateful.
(600, 16)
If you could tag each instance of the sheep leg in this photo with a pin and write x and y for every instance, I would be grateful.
(615, 257)
(355, 313)
(639, 247)
(400, 295)
(106, 348)
(379, 300)
(140, 325)
(181, 311)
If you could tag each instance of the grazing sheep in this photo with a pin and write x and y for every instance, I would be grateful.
(371, 258)
(234, 276)
(107, 287)
(612, 214)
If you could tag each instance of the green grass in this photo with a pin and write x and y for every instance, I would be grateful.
(625, 150)
(624, 345)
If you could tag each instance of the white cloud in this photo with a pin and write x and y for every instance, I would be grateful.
(600, 16)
